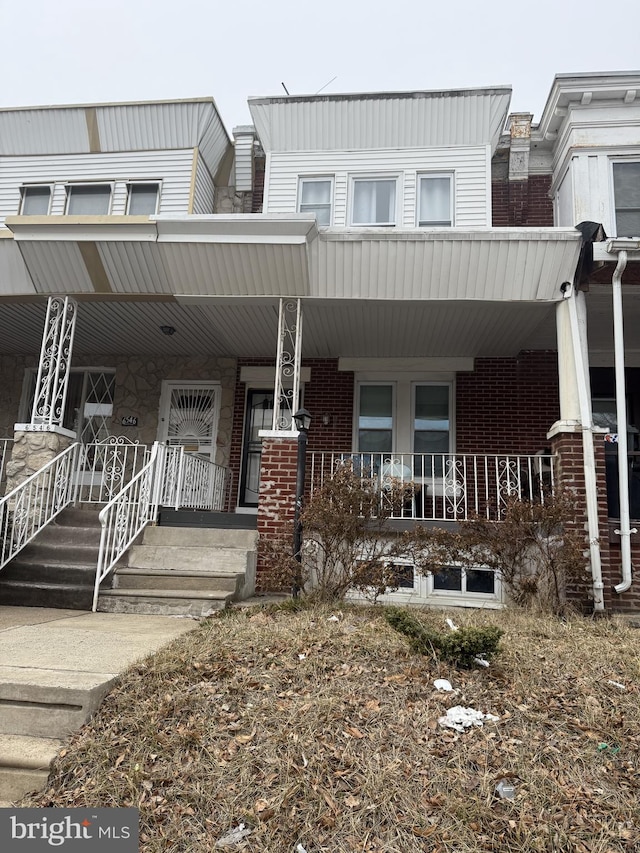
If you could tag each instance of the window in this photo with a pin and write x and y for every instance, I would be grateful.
(375, 419)
(455, 579)
(315, 197)
(35, 201)
(88, 199)
(374, 201)
(431, 427)
(435, 203)
(626, 189)
(142, 199)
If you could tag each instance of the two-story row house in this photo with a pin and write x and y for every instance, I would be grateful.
(404, 265)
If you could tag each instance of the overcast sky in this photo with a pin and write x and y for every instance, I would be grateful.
(79, 51)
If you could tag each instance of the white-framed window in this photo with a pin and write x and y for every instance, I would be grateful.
(375, 417)
(88, 199)
(435, 200)
(142, 198)
(480, 581)
(374, 200)
(35, 200)
(626, 194)
(315, 196)
(405, 416)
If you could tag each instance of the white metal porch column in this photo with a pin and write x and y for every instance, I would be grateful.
(55, 361)
(288, 360)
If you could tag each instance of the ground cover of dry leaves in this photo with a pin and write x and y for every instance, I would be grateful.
(318, 730)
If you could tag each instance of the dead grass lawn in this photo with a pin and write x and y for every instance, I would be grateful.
(324, 734)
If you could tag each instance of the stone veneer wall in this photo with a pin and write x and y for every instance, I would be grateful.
(137, 392)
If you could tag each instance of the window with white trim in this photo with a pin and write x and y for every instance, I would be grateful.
(35, 201)
(374, 201)
(315, 195)
(476, 581)
(88, 199)
(405, 417)
(435, 200)
(626, 191)
(142, 198)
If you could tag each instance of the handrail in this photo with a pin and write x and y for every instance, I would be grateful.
(35, 502)
(192, 482)
(125, 517)
(5, 445)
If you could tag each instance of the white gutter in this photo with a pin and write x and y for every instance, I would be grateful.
(621, 418)
(588, 455)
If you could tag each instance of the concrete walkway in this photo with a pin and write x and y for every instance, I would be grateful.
(56, 667)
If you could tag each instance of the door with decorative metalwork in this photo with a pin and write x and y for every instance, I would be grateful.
(189, 414)
(259, 416)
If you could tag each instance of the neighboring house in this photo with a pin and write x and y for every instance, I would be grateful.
(410, 279)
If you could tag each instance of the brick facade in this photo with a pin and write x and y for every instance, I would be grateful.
(507, 405)
(522, 203)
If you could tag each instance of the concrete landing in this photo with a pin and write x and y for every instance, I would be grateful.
(57, 667)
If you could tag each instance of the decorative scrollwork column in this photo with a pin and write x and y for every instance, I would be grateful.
(55, 361)
(288, 359)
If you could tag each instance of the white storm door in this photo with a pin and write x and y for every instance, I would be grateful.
(189, 414)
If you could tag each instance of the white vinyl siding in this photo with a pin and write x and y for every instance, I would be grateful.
(470, 166)
(172, 168)
(204, 190)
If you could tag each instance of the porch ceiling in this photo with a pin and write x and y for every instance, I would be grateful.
(237, 327)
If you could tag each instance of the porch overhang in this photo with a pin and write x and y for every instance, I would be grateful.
(258, 255)
(375, 293)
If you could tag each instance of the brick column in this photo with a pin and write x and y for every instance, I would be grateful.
(566, 444)
(276, 503)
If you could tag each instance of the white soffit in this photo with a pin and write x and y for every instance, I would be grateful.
(381, 120)
(14, 277)
(492, 264)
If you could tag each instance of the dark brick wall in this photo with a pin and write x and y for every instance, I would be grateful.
(507, 405)
(522, 203)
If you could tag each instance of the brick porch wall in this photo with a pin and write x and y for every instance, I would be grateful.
(507, 405)
(519, 203)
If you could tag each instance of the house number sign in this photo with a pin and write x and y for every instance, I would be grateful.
(129, 420)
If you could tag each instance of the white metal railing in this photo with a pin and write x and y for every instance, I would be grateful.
(446, 486)
(169, 477)
(192, 482)
(25, 510)
(6, 446)
(105, 467)
(125, 517)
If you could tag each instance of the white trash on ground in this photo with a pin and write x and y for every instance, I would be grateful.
(443, 685)
(506, 789)
(231, 839)
(460, 718)
(617, 684)
(451, 624)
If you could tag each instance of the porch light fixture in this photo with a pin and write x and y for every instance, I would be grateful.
(168, 330)
(302, 420)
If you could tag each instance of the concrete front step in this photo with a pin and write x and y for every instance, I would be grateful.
(48, 703)
(201, 537)
(24, 764)
(50, 570)
(149, 579)
(61, 596)
(194, 558)
(164, 602)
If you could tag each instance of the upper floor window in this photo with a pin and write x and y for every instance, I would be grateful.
(435, 201)
(35, 201)
(626, 189)
(142, 199)
(374, 201)
(88, 199)
(315, 197)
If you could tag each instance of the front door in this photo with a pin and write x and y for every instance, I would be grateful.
(189, 413)
(259, 416)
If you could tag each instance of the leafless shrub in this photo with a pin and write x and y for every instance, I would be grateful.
(534, 549)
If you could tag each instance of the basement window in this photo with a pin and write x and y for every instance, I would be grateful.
(478, 581)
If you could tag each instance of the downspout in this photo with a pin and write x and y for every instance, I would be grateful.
(621, 416)
(588, 455)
